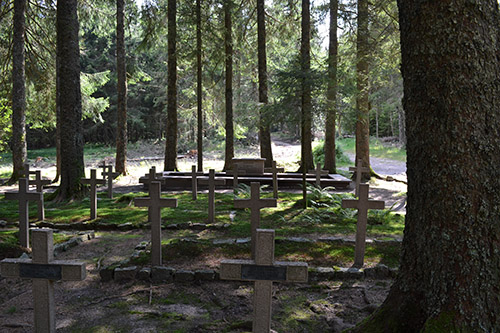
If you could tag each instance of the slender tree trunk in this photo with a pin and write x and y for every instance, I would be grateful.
(362, 103)
(391, 121)
(376, 122)
(229, 85)
(331, 94)
(449, 277)
(264, 132)
(171, 142)
(70, 100)
(18, 143)
(306, 104)
(199, 88)
(121, 70)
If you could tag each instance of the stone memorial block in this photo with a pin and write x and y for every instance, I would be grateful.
(93, 182)
(155, 203)
(359, 170)
(362, 204)
(24, 196)
(318, 172)
(43, 270)
(211, 181)
(109, 175)
(253, 166)
(40, 183)
(263, 271)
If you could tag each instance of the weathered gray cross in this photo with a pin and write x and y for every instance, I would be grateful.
(274, 170)
(263, 270)
(194, 181)
(318, 172)
(362, 204)
(360, 170)
(255, 203)
(109, 175)
(24, 196)
(155, 203)
(93, 182)
(43, 270)
(236, 173)
(40, 183)
(211, 181)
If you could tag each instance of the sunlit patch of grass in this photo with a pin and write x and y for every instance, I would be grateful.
(377, 149)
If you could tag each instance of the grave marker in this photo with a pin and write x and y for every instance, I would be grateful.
(318, 172)
(194, 183)
(93, 182)
(27, 171)
(274, 170)
(155, 203)
(109, 175)
(255, 203)
(236, 172)
(40, 183)
(362, 205)
(211, 181)
(359, 174)
(24, 196)
(43, 270)
(263, 270)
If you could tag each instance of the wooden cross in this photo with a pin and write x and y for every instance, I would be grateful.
(274, 170)
(362, 204)
(359, 169)
(40, 183)
(318, 172)
(263, 270)
(93, 182)
(24, 196)
(194, 183)
(27, 171)
(155, 203)
(43, 270)
(255, 203)
(211, 181)
(107, 173)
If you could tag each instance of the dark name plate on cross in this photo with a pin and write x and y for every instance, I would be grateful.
(40, 271)
(260, 272)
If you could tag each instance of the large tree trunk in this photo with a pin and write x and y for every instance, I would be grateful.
(228, 161)
(362, 103)
(306, 105)
(121, 70)
(449, 274)
(70, 100)
(199, 88)
(331, 94)
(171, 142)
(264, 132)
(18, 143)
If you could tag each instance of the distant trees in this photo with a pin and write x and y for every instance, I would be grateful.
(121, 71)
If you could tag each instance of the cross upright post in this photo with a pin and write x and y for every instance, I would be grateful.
(109, 175)
(211, 181)
(24, 196)
(255, 203)
(274, 170)
(194, 183)
(263, 270)
(27, 171)
(43, 270)
(93, 182)
(360, 170)
(362, 205)
(155, 203)
(40, 183)
(318, 172)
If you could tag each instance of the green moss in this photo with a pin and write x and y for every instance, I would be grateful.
(443, 323)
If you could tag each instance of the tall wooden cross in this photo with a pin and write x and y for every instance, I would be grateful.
(274, 170)
(27, 171)
(362, 204)
(43, 270)
(360, 170)
(194, 183)
(155, 203)
(263, 270)
(109, 175)
(24, 196)
(40, 183)
(255, 203)
(318, 172)
(211, 181)
(93, 182)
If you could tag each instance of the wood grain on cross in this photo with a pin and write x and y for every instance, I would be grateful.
(155, 203)
(318, 172)
(109, 175)
(43, 270)
(93, 182)
(40, 183)
(274, 170)
(24, 196)
(212, 182)
(362, 205)
(359, 170)
(255, 203)
(263, 270)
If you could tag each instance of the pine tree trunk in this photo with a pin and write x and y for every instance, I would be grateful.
(18, 143)
(199, 88)
(362, 102)
(264, 132)
(331, 94)
(171, 142)
(449, 274)
(228, 162)
(306, 104)
(70, 101)
(121, 70)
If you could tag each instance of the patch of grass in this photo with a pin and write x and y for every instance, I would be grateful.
(377, 149)
(179, 297)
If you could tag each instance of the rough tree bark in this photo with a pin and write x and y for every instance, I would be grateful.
(121, 70)
(228, 41)
(449, 274)
(331, 94)
(264, 132)
(171, 142)
(199, 88)
(18, 143)
(70, 101)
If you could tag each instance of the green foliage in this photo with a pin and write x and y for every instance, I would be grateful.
(319, 154)
(5, 123)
